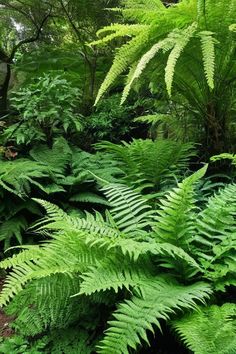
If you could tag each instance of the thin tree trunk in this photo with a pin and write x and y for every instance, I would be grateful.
(4, 92)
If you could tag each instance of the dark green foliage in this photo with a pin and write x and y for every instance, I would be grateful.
(20, 345)
(64, 172)
(46, 108)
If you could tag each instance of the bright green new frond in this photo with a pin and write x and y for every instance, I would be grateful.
(211, 330)
(115, 274)
(176, 220)
(145, 4)
(160, 298)
(180, 40)
(164, 45)
(208, 53)
(117, 30)
(29, 253)
(130, 210)
(67, 253)
(124, 57)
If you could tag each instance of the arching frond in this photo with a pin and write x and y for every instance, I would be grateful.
(180, 39)
(124, 57)
(176, 220)
(164, 45)
(160, 298)
(208, 52)
(210, 330)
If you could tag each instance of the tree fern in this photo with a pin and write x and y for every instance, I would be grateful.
(116, 31)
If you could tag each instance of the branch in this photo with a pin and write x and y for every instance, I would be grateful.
(77, 32)
(30, 39)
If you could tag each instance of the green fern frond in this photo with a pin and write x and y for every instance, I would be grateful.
(115, 274)
(67, 253)
(29, 253)
(159, 300)
(217, 220)
(164, 45)
(13, 227)
(180, 40)
(125, 56)
(149, 162)
(175, 222)
(211, 330)
(117, 30)
(89, 197)
(130, 210)
(57, 219)
(50, 306)
(208, 52)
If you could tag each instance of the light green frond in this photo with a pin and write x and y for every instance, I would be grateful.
(165, 44)
(180, 40)
(124, 57)
(114, 274)
(211, 330)
(130, 210)
(208, 53)
(159, 300)
(57, 219)
(116, 31)
(29, 253)
(175, 222)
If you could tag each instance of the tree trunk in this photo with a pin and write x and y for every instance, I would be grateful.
(4, 92)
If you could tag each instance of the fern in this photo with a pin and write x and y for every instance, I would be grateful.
(208, 52)
(181, 40)
(12, 227)
(160, 298)
(88, 197)
(122, 61)
(130, 211)
(146, 268)
(147, 163)
(210, 330)
(164, 45)
(188, 28)
(175, 220)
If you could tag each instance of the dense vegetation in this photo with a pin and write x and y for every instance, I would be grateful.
(117, 176)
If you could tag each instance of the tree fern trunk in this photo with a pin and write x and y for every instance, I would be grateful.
(216, 137)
